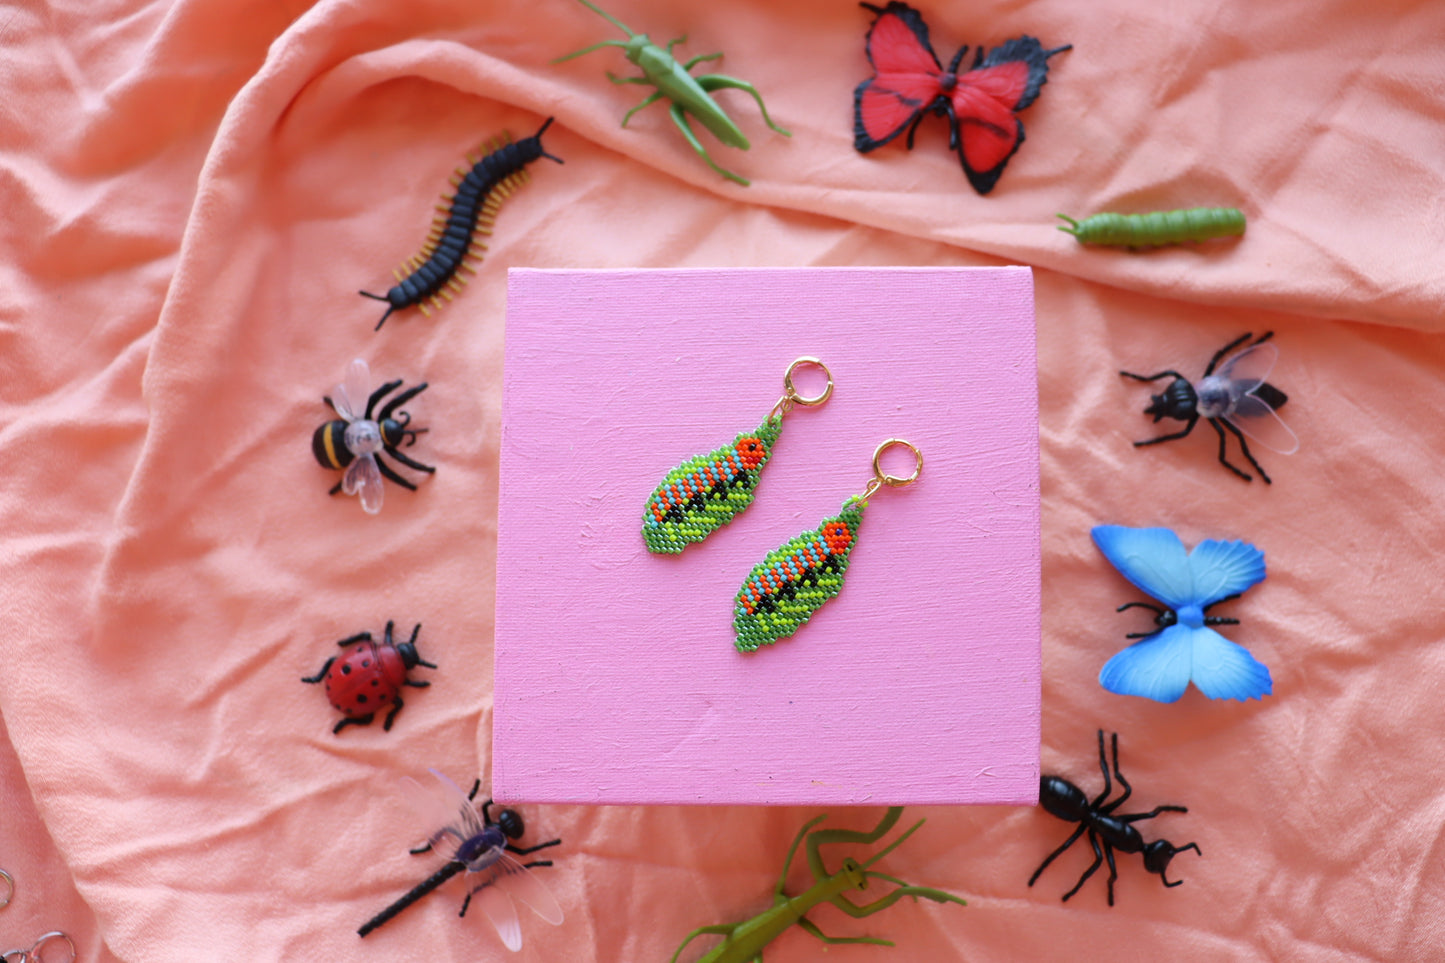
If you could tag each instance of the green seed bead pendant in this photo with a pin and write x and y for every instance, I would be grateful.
(704, 493)
(796, 579)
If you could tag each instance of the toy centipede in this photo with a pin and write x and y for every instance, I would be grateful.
(433, 274)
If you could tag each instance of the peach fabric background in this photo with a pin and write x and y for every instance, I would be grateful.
(194, 190)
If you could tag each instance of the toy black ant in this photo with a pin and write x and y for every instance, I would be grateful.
(1237, 398)
(1107, 831)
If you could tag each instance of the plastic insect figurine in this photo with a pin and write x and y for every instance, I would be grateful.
(1108, 830)
(370, 677)
(981, 103)
(472, 209)
(356, 439)
(1184, 648)
(1157, 228)
(1235, 397)
(686, 93)
(744, 942)
(476, 844)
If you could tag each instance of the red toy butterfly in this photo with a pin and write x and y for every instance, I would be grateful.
(980, 103)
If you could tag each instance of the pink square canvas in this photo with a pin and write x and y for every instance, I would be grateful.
(617, 680)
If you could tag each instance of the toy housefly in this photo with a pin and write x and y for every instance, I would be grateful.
(1233, 395)
(474, 844)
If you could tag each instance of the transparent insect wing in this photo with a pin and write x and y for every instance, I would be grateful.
(1250, 367)
(498, 907)
(509, 880)
(364, 478)
(1253, 416)
(525, 885)
(1247, 370)
(350, 396)
(443, 811)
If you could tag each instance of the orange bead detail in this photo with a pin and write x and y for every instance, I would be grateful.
(752, 451)
(838, 537)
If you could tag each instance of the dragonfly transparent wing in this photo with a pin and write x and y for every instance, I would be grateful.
(364, 478)
(523, 884)
(507, 879)
(443, 811)
(499, 908)
(350, 396)
(460, 805)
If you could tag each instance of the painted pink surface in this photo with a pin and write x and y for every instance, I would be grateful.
(616, 676)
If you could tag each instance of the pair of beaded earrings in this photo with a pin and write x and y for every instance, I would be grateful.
(794, 580)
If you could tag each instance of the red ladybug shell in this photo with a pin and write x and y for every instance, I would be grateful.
(366, 679)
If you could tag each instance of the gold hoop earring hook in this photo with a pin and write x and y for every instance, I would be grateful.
(882, 478)
(791, 392)
(792, 397)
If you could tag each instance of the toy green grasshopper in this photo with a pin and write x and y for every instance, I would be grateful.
(744, 942)
(688, 94)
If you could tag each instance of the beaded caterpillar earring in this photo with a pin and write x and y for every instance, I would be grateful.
(799, 576)
(705, 493)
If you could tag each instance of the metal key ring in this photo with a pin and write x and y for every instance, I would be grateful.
(9, 887)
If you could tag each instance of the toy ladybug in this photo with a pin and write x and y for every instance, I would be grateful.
(370, 677)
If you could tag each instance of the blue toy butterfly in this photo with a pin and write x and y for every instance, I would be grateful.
(1184, 648)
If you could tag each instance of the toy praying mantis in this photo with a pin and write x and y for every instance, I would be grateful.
(744, 942)
(687, 94)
